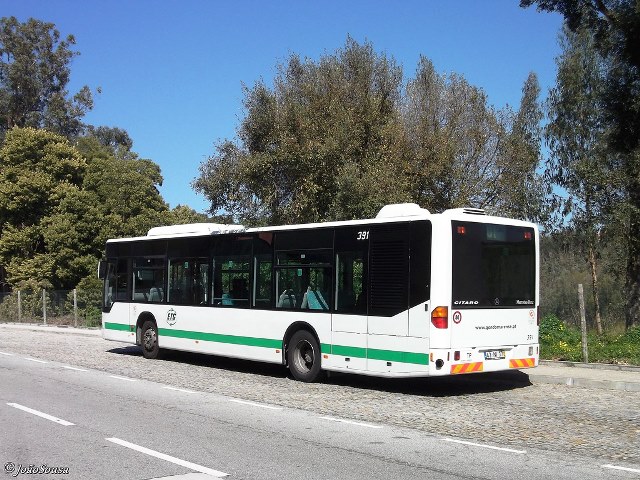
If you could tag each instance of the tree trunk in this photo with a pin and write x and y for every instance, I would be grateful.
(594, 285)
(633, 260)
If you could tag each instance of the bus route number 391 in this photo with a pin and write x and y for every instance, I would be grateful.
(364, 235)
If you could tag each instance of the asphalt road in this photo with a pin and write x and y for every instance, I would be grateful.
(101, 424)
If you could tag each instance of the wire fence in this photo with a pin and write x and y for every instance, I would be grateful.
(55, 307)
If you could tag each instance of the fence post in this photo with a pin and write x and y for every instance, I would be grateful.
(75, 307)
(19, 307)
(583, 324)
(44, 306)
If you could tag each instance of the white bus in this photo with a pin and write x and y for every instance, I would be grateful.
(407, 294)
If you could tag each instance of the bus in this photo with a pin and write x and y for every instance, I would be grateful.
(406, 294)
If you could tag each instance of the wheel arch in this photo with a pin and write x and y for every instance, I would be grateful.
(143, 317)
(293, 328)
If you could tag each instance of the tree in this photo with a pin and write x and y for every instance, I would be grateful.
(59, 203)
(615, 27)
(324, 143)
(464, 153)
(577, 131)
(39, 169)
(34, 74)
(339, 138)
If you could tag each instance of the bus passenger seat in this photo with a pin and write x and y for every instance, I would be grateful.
(287, 299)
(155, 294)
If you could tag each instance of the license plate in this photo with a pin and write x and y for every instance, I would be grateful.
(494, 355)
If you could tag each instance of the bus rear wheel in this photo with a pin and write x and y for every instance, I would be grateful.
(303, 357)
(149, 340)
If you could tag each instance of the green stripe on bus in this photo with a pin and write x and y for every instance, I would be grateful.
(219, 338)
(345, 351)
(394, 356)
(375, 354)
(119, 326)
(341, 350)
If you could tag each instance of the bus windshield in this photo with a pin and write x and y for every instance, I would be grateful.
(493, 266)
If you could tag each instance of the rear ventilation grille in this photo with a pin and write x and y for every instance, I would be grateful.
(465, 211)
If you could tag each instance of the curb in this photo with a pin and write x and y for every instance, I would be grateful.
(34, 327)
(596, 366)
(585, 382)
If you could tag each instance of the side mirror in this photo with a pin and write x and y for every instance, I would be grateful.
(102, 269)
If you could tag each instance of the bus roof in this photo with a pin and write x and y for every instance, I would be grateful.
(388, 214)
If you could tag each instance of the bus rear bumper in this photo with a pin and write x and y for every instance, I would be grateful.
(483, 359)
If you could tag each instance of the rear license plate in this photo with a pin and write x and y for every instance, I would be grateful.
(494, 355)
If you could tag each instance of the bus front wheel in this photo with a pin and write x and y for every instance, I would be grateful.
(149, 340)
(303, 357)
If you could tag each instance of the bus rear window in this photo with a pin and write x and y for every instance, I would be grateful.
(493, 265)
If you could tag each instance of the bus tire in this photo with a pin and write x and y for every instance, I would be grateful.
(303, 357)
(149, 340)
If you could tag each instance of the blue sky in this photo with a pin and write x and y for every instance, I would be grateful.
(171, 72)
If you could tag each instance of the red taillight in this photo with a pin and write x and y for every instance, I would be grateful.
(440, 317)
(456, 355)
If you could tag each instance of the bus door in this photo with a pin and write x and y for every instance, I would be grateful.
(349, 320)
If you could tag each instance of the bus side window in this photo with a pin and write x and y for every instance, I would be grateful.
(148, 279)
(351, 276)
(109, 285)
(231, 280)
(122, 280)
(263, 271)
(350, 291)
(188, 281)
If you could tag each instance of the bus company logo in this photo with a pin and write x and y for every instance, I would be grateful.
(466, 302)
(171, 316)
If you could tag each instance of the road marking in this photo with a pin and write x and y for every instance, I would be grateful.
(168, 458)
(35, 360)
(123, 378)
(615, 467)
(486, 446)
(7, 354)
(351, 422)
(75, 368)
(179, 389)
(253, 404)
(40, 414)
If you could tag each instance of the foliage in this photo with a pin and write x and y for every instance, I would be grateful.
(614, 27)
(561, 342)
(343, 136)
(59, 204)
(34, 74)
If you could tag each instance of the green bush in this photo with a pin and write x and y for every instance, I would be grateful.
(559, 341)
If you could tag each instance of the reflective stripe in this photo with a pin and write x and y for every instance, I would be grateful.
(522, 363)
(467, 367)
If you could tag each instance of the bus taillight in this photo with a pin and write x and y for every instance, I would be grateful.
(440, 317)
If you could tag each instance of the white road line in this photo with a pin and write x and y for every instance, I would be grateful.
(75, 368)
(35, 360)
(168, 458)
(253, 404)
(40, 414)
(123, 378)
(7, 354)
(179, 389)
(615, 467)
(360, 424)
(485, 446)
